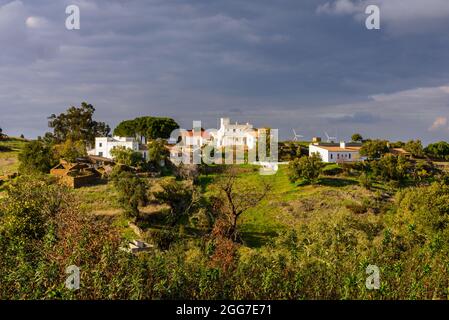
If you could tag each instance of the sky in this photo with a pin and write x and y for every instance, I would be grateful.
(311, 65)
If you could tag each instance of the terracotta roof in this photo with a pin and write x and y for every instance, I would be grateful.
(189, 133)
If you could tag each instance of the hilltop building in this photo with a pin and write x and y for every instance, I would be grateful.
(227, 136)
(104, 145)
(235, 134)
(337, 152)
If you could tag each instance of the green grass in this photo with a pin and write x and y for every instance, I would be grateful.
(98, 199)
(9, 162)
(290, 204)
(287, 205)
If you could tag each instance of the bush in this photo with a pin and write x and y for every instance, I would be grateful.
(126, 156)
(132, 192)
(163, 239)
(366, 180)
(70, 150)
(181, 197)
(36, 157)
(306, 168)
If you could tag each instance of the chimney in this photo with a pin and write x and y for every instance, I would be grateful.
(342, 144)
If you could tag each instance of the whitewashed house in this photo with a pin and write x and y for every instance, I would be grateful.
(336, 153)
(228, 135)
(195, 137)
(235, 134)
(104, 145)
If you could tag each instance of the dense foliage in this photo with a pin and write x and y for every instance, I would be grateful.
(77, 124)
(132, 192)
(374, 149)
(146, 128)
(438, 150)
(126, 156)
(43, 230)
(306, 168)
(36, 156)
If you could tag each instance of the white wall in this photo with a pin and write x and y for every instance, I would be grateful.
(324, 154)
(334, 156)
(103, 145)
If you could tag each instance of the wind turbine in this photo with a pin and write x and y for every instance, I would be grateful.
(330, 139)
(296, 136)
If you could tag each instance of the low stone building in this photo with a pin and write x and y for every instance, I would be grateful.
(75, 175)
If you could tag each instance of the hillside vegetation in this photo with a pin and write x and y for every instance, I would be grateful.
(301, 242)
(310, 231)
(9, 151)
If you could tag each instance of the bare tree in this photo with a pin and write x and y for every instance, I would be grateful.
(236, 197)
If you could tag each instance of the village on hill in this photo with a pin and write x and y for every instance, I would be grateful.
(224, 196)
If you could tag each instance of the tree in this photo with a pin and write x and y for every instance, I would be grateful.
(36, 156)
(357, 137)
(415, 148)
(132, 192)
(70, 150)
(181, 197)
(235, 197)
(30, 202)
(77, 124)
(157, 152)
(374, 149)
(438, 150)
(306, 168)
(188, 172)
(423, 171)
(126, 156)
(391, 168)
(146, 128)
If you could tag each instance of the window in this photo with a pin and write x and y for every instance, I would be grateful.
(332, 156)
(349, 156)
(100, 154)
(100, 144)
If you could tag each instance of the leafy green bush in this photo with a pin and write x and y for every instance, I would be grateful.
(306, 168)
(132, 192)
(36, 157)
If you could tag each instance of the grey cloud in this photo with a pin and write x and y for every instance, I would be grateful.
(400, 17)
(276, 64)
(357, 117)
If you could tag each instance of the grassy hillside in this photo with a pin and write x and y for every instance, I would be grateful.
(9, 151)
(288, 204)
(301, 242)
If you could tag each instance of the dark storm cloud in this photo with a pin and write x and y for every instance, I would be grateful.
(286, 64)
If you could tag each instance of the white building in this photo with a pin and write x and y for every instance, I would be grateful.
(336, 153)
(104, 145)
(195, 138)
(229, 135)
(235, 134)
